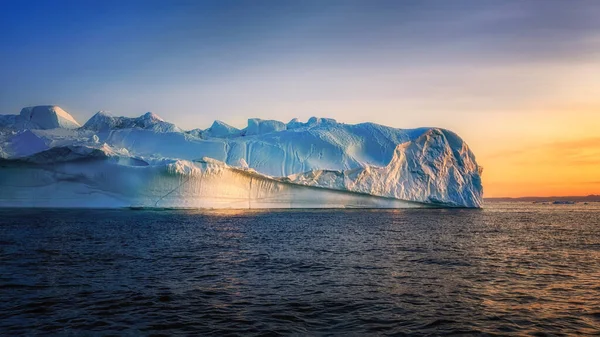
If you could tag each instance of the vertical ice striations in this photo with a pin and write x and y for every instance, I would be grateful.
(48, 160)
(428, 169)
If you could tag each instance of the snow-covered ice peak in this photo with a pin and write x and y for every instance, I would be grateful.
(311, 123)
(220, 129)
(39, 117)
(49, 117)
(104, 121)
(257, 126)
(152, 116)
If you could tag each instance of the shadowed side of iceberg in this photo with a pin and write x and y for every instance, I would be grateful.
(105, 182)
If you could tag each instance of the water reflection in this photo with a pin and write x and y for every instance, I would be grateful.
(519, 270)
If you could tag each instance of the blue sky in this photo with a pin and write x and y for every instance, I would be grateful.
(194, 61)
(499, 73)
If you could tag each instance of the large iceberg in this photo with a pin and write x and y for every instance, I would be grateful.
(48, 160)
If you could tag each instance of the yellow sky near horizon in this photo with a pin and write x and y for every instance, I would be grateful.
(559, 156)
(552, 147)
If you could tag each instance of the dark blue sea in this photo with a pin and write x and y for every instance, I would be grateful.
(509, 269)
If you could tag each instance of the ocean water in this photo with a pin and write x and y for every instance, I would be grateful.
(508, 269)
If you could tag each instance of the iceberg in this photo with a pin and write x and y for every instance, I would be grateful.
(47, 159)
(40, 117)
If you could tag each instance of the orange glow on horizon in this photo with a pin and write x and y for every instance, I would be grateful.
(560, 157)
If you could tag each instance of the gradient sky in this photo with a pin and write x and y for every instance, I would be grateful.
(518, 80)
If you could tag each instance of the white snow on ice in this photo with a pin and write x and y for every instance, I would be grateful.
(49, 160)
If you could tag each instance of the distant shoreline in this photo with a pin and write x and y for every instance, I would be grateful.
(588, 198)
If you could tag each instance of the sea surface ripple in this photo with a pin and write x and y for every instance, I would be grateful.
(509, 269)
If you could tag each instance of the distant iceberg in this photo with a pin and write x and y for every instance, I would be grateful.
(47, 159)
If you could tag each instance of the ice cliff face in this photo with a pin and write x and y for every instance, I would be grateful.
(118, 162)
(427, 169)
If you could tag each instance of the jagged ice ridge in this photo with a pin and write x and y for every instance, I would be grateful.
(49, 160)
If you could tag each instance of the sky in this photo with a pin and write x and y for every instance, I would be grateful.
(518, 80)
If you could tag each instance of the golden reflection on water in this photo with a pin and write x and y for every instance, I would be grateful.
(226, 212)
